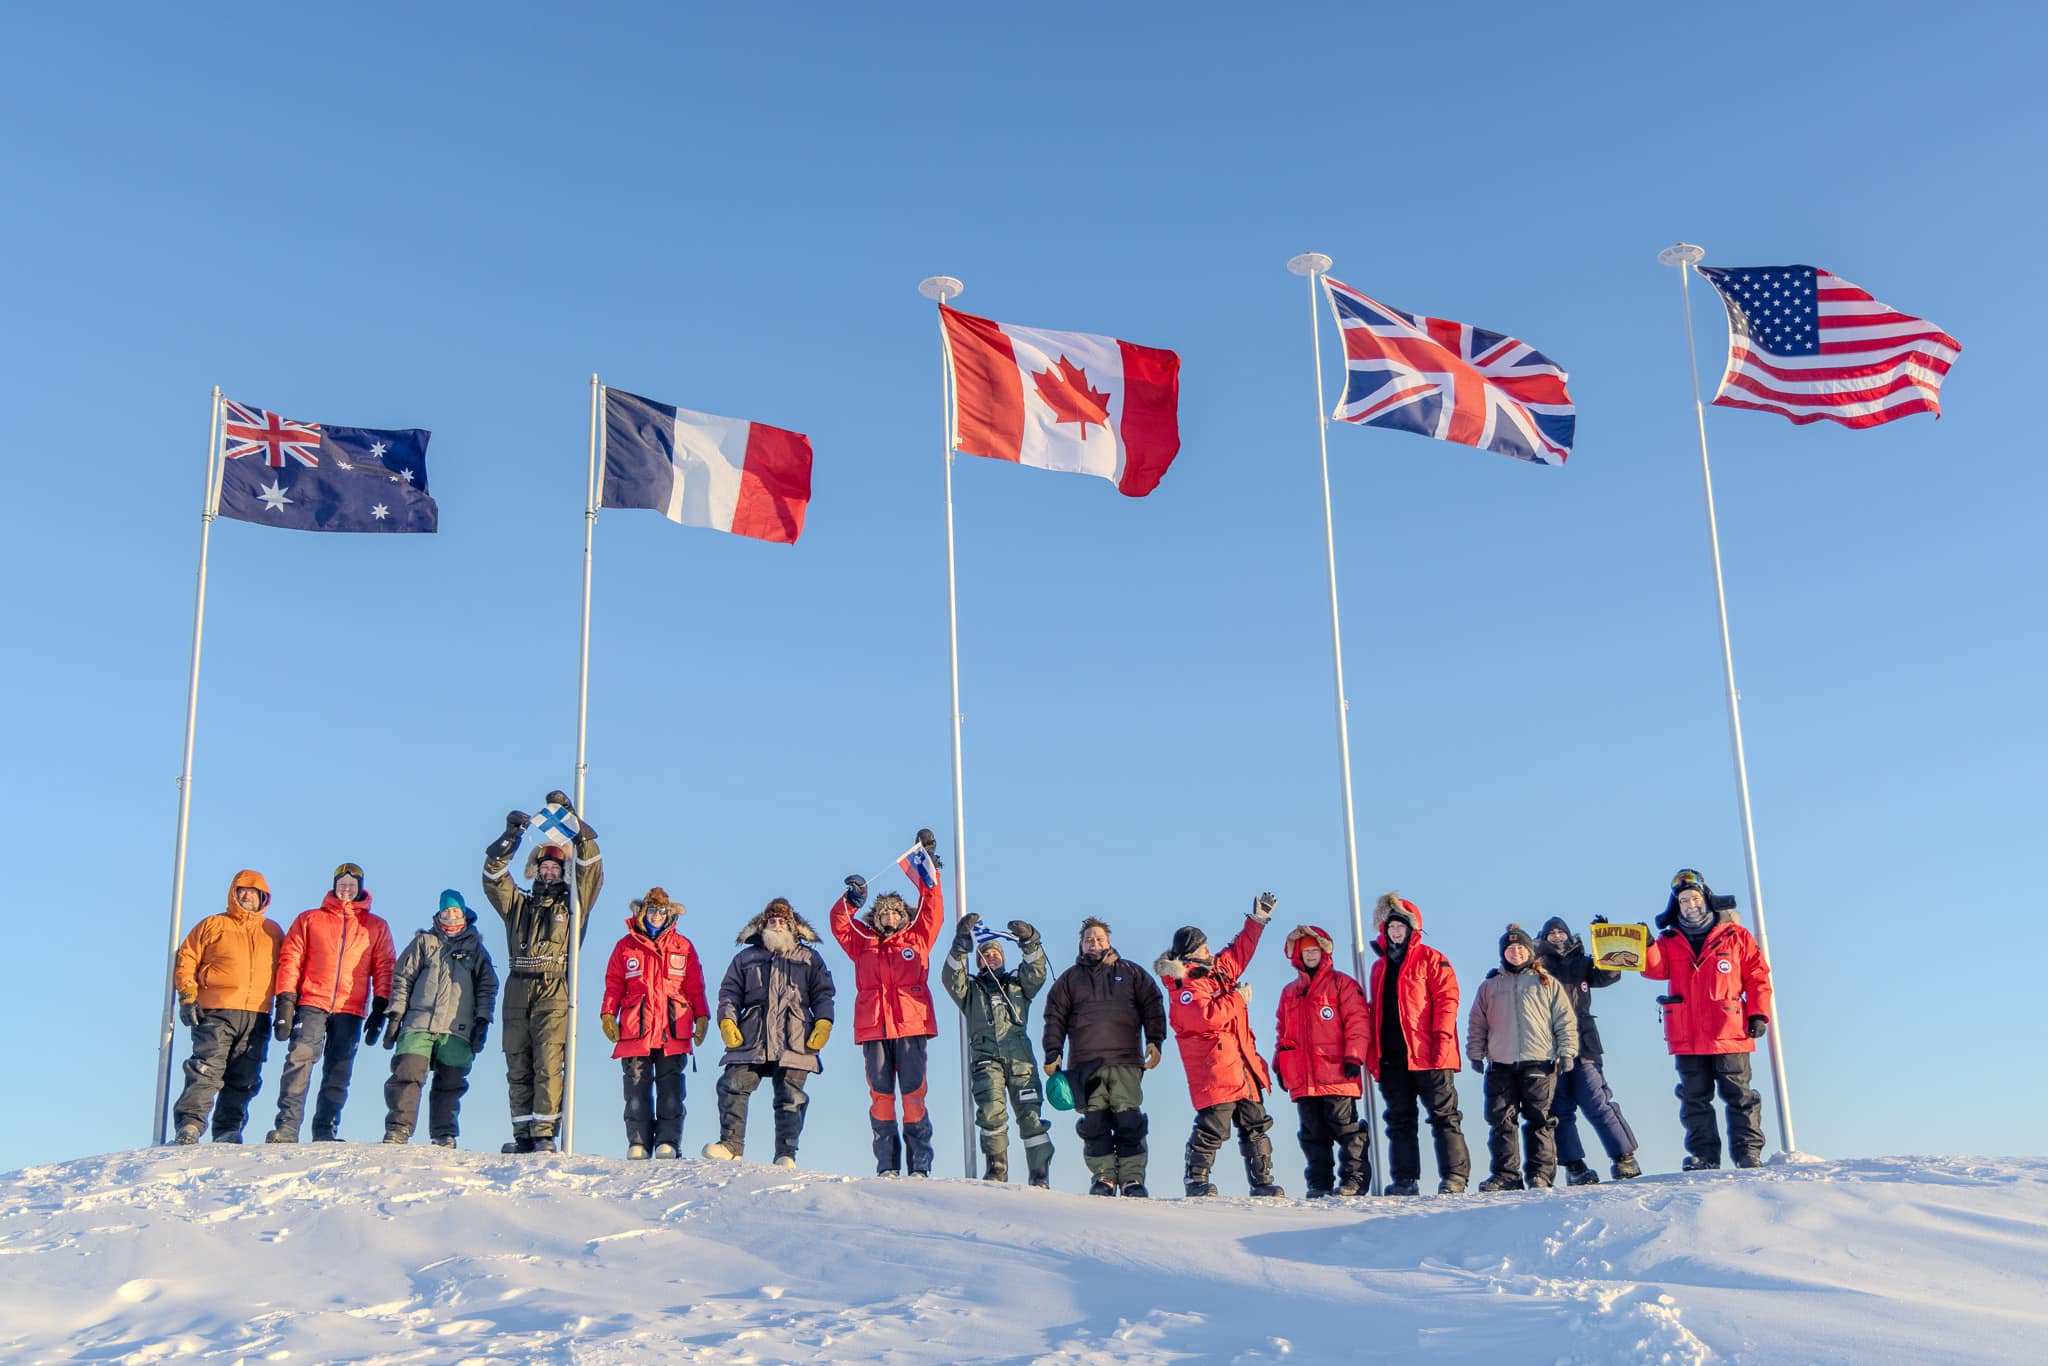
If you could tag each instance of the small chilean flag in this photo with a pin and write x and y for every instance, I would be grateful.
(722, 472)
(1064, 400)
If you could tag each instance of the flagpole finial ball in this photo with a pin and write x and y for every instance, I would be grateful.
(940, 287)
(1681, 254)
(1309, 263)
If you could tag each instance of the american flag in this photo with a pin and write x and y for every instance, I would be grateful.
(1808, 345)
(1450, 381)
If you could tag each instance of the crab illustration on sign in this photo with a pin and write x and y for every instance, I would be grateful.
(1067, 391)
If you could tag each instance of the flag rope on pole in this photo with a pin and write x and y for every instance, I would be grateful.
(1683, 255)
(168, 1033)
(576, 909)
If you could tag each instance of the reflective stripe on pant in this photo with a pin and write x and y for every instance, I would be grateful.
(654, 1098)
(1329, 1124)
(738, 1082)
(536, 1048)
(1436, 1091)
(1700, 1075)
(1584, 1089)
(228, 1049)
(991, 1080)
(898, 1066)
(331, 1041)
(1521, 1089)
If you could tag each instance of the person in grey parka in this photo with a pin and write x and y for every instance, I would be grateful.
(443, 992)
(774, 1014)
(1523, 1025)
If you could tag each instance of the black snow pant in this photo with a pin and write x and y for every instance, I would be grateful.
(1112, 1128)
(1212, 1126)
(228, 1049)
(1584, 1090)
(739, 1082)
(444, 1101)
(1700, 1075)
(1330, 1125)
(317, 1036)
(1522, 1089)
(654, 1098)
(897, 1065)
(1436, 1091)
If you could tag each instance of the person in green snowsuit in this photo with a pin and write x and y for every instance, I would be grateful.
(995, 1003)
(535, 1001)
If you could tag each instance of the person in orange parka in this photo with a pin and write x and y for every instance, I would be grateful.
(1412, 1008)
(226, 973)
(1208, 1008)
(1719, 1005)
(654, 1011)
(1323, 1032)
(333, 983)
(892, 1011)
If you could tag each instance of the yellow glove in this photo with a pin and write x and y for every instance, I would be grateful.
(703, 1028)
(611, 1026)
(729, 1030)
(1052, 1064)
(820, 1032)
(1151, 1056)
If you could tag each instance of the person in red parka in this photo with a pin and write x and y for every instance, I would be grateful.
(654, 1012)
(1319, 1055)
(892, 1010)
(333, 984)
(1412, 1009)
(1208, 1008)
(1719, 1005)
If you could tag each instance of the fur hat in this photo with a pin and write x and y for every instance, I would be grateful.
(893, 901)
(656, 898)
(751, 931)
(1716, 905)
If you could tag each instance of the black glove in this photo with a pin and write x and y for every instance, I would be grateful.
(188, 1014)
(1479, 1067)
(1353, 1069)
(1027, 933)
(374, 1021)
(1599, 920)
(561, 799)
(930, 842)
(1757, 1025)
(516, 823)
(478, 1035)
(515, 826)
(963, 934)
(856, 893)
(286, 1004)
(391, 1034)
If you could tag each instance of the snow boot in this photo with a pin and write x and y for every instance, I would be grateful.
(1408, 1188)
(187, 1135)
(398, 1136)
(1102, 1187)
(995, 1168)
(1450, 1185)
(445, 1142)
(636, 1153)
(544, 1145)
(721, 1151)
(664, 1151)
(1134, 1190)
(280, 1136)
(1625, 1168)
(518, 1145)
(1579, 1174)
(1318, 1193)
(786, 1160)
(1196, 1175)
(1350, 1186)
(1701, 1164)
(1749, 1161)
(1258, 1171)
(1502, 1183)
(1043, 1183)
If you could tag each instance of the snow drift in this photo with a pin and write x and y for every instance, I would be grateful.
(334, 1252)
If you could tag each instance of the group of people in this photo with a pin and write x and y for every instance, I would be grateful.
(333, 982)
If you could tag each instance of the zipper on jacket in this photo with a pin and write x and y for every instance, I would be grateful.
(341, 953)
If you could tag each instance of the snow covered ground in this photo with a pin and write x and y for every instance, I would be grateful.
(351, 1253)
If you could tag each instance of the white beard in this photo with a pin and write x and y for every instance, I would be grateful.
(778, 941)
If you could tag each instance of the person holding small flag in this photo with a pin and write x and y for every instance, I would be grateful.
(333, 984)
(892, 1011)
(995, 1002)
(654, 1012)
(443, 993)
(537, 934)
(225, 978)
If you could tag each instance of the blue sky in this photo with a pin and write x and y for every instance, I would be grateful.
(429, 217)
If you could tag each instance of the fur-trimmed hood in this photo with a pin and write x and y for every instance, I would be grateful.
(1170, 968)
(750, 933)
(1301, 933)
(1388, 904)
(889, 899)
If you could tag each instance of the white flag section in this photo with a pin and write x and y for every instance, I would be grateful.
(985, 934)
(697, 469)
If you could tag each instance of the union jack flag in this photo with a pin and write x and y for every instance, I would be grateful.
(1450, 381)
(251, 431)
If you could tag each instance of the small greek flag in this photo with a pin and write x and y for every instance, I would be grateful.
(984, 935)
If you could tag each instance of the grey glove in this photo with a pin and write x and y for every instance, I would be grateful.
(1262, 906)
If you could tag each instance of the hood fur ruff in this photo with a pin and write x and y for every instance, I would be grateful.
(752, 929)
(1314, 932)
(889, 899)
(1166, 965)
(1388, 904)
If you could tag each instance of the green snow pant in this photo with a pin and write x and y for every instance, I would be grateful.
(994, 1079)
(1112, 1127)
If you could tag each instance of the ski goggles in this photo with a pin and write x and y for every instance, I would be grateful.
(354, 870)
(1687, 878)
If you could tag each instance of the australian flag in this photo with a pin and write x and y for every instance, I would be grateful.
(313, 477)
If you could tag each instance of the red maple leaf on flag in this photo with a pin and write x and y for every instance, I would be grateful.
(1066, 390)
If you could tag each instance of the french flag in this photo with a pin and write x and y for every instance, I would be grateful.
(1068, 401)
(698, 470)
(917, 866)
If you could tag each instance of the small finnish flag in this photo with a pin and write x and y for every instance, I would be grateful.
(554, 825)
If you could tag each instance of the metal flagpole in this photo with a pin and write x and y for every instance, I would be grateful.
(1684, 255)
(941, 288)
(167, 1034)
(582, 768)
(1312, 264)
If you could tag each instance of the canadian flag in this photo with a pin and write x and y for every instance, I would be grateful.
(1063, 400)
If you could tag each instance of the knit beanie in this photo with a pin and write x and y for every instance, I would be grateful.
(1516, 935)
(1186, 940)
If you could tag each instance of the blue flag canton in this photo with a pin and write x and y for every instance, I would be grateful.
(1776, 307)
